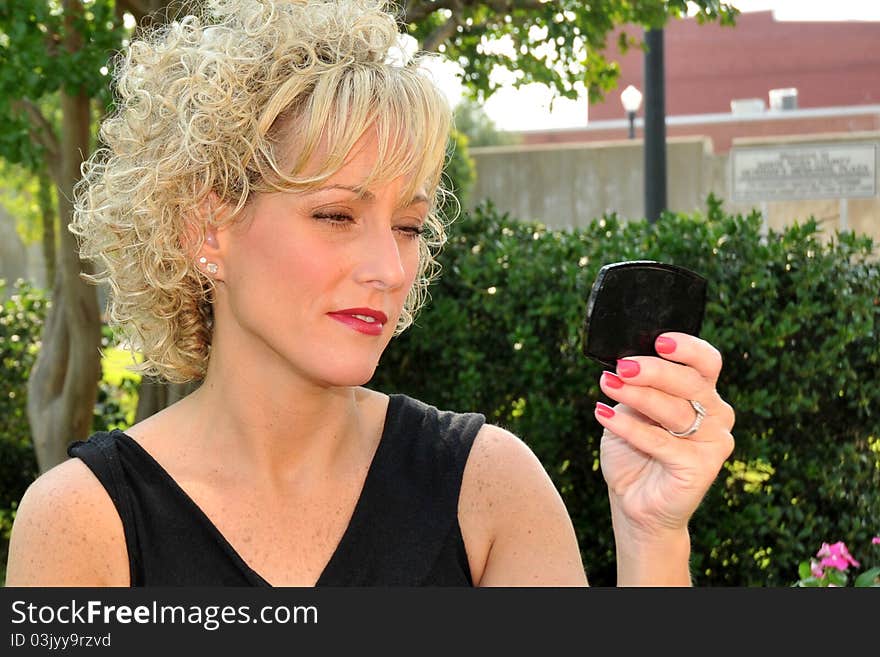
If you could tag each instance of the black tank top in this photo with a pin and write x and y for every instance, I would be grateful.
(404, 530)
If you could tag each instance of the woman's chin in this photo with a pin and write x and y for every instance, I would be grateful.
(349, 377)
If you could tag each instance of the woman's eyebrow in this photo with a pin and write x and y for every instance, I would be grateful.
(365, 194)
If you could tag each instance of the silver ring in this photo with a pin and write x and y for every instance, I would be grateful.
(701, 413)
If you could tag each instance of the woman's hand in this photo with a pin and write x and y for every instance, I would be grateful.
(655, 479)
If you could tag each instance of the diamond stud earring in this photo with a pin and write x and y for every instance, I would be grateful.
(210, 266)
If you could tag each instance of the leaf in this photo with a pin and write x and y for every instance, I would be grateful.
(836, 577)
(804, 570)
(868, 578)
(810, 582)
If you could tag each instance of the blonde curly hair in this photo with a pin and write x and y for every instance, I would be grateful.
(211, 104)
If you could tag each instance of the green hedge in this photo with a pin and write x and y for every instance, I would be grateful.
(795, 316)
(21, 320)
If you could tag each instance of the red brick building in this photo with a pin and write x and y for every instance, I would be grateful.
(834, 66)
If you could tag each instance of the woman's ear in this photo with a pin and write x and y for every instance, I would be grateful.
(209, 255)
(207, 252)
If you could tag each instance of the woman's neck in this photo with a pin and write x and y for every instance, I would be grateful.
(274, 425)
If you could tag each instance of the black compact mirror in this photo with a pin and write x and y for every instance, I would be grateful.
(633, 302)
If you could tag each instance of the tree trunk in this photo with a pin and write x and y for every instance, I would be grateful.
(153, 396)
(48, 218)
(63, 385)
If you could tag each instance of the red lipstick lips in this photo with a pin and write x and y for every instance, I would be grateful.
(363, 320)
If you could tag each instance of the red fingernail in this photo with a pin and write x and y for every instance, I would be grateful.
(604, 410)
(612, 380)
(627, 367)
(664, 345)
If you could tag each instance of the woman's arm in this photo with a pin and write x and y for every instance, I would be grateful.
(516, 527)
(656, 480)
(67, 533)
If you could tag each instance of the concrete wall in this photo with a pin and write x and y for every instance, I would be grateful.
(569, 185)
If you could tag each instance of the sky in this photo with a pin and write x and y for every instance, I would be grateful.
(528, 107)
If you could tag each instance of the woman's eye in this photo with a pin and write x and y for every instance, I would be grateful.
(344, 220)
(336, 219)
(412, 232)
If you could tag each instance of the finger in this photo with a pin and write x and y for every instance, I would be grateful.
(670, 411)
(674, 379)
(643, 436)
(656, 442)
(707, 360)
(693, 351)
(660, 407)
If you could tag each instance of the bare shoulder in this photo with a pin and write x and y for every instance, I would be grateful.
(67, 532)
(513, 517)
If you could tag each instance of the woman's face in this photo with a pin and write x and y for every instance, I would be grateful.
(315, 282)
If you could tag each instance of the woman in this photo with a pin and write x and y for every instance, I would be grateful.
(266, 214)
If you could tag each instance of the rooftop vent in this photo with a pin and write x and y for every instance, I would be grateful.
(783, 99)
(746, 106)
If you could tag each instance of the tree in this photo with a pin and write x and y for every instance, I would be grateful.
(559, 43)
(472, 120)
(52, 53)
(55, 54)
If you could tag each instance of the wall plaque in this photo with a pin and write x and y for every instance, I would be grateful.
(804, 171)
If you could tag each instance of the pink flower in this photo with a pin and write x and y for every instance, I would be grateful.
(816, 569)
(876, 540)
(836, 556)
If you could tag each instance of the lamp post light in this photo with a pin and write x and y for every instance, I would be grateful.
(631, 99)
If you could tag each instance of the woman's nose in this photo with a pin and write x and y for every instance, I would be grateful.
(381, 264)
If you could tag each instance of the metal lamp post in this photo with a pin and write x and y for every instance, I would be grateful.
(631, 99)
(655, 126)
